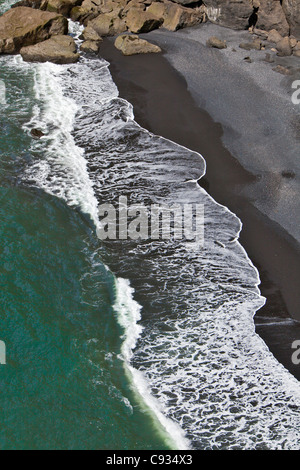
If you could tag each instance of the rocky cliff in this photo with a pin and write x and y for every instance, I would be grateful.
(33, 21)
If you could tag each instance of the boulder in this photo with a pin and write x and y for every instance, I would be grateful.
(132, 44)
(297, 47)
(110, 6)
(37, 4)
(92, 5)
(139, 21)
(291, 9)
(159, 9)
(108, 25)
(36, 133)
(176, 16)
(271, 16)
(185, 2)
(284, 47)
(261, 33)
(91, 9)
(58, 49)
(63, 7)
(240, 14)
(90, 46)
(293, 41)
(233, 14)
(217, 43)
(23, 26)
(282, 70)
(254, 45)
(140, 5)
(83, 15)
(274, 36)
(89, 34)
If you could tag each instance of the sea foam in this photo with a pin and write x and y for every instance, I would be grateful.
(192, 350)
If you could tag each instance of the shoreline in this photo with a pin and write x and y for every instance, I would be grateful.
(150, 83)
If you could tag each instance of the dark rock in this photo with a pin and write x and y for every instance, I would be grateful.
(37, 4)
(36, 133)
(271, 16)
(63, 7)
(232, 14)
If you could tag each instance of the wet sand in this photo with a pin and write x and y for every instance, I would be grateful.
(164, 105)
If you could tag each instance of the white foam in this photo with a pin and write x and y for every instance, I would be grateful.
(63, 170)
(202, 360)
(128, 315)
(210, 373)
(5, 5)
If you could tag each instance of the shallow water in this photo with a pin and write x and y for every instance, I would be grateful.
(174, 362)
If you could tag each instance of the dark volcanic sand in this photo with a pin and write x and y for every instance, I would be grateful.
(163, 105)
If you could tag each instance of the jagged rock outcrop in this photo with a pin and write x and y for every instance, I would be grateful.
(291, 9)
(81, 14)
(37, 4)
(140, 21)
(63, 7)
(90, 46)
(284, 47)
(274, 36)
(296, 50)
(263, 14)
(130, 44)
(33, 21)
(89, 34)
(270, 16)
(186, 2)
(176, 16)
(216, 43)
(23, 26)
(58, 49)
(233, 14)
(108, 24)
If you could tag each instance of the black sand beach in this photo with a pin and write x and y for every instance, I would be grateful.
(239, 116)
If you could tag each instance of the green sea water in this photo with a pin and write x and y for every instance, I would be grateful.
(92, 363)
(65, 384)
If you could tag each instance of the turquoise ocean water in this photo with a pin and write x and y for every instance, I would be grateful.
(120, 345)
(64, 385)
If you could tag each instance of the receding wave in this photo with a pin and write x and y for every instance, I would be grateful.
(193, 338)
